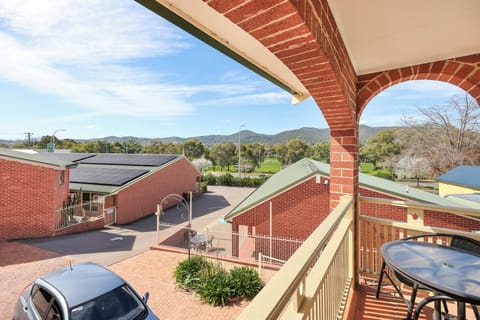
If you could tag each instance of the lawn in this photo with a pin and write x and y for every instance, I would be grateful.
(269, 165)
(382, 173)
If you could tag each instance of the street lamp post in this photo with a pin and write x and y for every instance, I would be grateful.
(52, 139)
(239, 131)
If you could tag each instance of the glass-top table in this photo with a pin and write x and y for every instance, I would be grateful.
(445, 270)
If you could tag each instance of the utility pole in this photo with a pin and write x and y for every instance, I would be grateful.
(29, 138)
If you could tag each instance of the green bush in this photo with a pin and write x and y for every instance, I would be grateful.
(204, 187)
(210, 179)
(226, 180)
(246, 282)
(215, 286)
(187, 273)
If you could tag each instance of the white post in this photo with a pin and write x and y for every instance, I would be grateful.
(260, 259)
(271, 230)
(157, 213)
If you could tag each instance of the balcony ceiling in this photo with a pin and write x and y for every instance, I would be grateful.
(378, 34)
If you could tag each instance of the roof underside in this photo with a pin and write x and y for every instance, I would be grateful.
(379, 35)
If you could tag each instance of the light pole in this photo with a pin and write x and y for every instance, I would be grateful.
(239, 131)
(52, 139)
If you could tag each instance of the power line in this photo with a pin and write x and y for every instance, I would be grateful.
(29, 138)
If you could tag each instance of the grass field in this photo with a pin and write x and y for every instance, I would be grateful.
(269, 165)
(382, 173)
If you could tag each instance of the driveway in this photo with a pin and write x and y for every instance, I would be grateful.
(125, 250)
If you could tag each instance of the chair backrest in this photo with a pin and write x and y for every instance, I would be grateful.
(466, 244)
(457, 241)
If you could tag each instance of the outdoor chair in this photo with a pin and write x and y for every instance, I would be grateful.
(210, 242)
(457, 241)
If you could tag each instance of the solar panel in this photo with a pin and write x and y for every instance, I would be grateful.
(104, 176)
(130, 159)
(73, 157)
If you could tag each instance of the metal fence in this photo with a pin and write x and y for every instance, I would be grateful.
(242, 246)
(79, 213)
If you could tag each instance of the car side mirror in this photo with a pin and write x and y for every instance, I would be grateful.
(145, 297)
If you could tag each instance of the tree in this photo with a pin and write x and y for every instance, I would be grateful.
(409, 167)
(297, 150)
(447, 135)
(382, 145)
(321, 152)
(193, 149)
(224, 154)
(281, 153)
(202, 164)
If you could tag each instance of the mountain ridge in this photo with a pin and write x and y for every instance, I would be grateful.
(308, 135)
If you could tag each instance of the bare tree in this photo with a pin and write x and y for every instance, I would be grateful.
(448, 136)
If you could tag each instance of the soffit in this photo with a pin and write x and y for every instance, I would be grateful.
(382, 35)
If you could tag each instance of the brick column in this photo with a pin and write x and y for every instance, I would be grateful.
(343, 163)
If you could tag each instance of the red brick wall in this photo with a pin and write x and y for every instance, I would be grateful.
(141, 198)
(463, 72)
(29, 196)
(298, 211)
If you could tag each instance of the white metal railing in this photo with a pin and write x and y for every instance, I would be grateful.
(75, 214)
(313, 282)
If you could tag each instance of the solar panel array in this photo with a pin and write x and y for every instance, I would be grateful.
(73, 157)
(104, 176)
(130, 159)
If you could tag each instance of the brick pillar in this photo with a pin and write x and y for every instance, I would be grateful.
(343, 163)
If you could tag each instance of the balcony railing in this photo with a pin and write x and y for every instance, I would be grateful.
(316, 281)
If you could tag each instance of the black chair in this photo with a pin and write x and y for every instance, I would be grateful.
(457, 241)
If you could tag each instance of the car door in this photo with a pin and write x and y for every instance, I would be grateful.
(45, 306)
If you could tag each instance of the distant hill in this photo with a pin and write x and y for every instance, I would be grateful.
(306, 134)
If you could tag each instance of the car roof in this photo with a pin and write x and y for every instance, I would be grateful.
(82, 282)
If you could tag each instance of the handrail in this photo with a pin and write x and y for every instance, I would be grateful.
(464, 212)
(272, 299)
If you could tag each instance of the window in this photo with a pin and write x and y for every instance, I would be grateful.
(45, 304)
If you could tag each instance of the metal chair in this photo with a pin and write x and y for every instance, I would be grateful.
(457, 241)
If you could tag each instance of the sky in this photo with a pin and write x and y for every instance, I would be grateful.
(95, 68)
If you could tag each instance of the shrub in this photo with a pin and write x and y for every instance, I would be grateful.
(246, 282)
(210, 179)
(226, 180)
(215, 286)
(187, 273)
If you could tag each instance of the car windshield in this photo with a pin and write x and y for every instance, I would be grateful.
(118, 304)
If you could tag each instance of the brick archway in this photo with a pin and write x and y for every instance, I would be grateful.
(463, 72)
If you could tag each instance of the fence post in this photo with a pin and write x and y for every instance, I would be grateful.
(260, 259)
(206, 240)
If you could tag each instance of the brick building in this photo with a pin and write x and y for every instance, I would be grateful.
(96, 189)
(293, 202)
(31, 190)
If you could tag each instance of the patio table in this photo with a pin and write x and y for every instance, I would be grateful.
(199, 241)
(445, 270)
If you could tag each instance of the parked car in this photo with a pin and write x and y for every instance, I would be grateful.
(85, 291)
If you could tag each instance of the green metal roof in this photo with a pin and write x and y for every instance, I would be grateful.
(35, 158)
(465, 176)
(307, 168)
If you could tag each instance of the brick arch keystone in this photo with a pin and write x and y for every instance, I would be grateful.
(463, 72)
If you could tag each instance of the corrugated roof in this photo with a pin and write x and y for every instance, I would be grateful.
(470, 200)
(465, 176)
(35, 158)
(307, 168)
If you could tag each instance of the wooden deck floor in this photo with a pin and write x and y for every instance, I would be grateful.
(388, 306)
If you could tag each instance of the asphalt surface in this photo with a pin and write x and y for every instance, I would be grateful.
(116, 243)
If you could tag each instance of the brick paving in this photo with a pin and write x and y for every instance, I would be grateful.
(150, 271)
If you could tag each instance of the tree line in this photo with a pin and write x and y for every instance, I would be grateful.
(441, 138)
